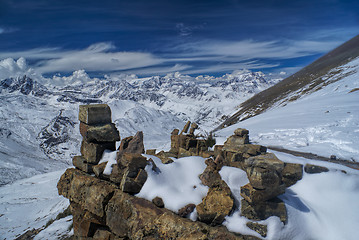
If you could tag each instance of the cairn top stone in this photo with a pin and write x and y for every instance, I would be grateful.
(241, 132)
(95, 114)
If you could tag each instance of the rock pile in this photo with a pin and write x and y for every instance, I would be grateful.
(103, 205)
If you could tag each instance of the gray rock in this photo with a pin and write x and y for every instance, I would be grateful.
(95, 114)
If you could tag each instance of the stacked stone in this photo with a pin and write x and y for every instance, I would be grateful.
(98, 133)
(186, 144)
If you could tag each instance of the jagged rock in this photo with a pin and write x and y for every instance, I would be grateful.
(80, 163)
(264, 210)
(292, 173)
(99, 133)
(255, 196)
(95, 114)
(92, 152)
(185, 128)
(309, 168)
(80, 187)
(98, 169)
(158, 202)
(151, 152)
(165, 157)
(210, 177)
(129, 185)
(259, 228)
(216, 205)
(132, 145)
(186, 210)
(240, 132)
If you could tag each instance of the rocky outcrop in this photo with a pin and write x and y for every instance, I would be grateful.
(102, 211)
(103, 205)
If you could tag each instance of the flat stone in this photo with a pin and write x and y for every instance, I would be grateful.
(309, 168)
(95, 114)
(253, 195)
(80, 163)
(263, 210)
(92, 152)
(99, 133)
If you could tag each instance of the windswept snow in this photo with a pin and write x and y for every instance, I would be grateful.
(325, 122)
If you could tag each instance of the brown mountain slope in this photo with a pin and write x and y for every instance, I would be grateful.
(308, 79)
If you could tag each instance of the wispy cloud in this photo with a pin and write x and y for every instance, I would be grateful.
(250, 49)
(97, 57)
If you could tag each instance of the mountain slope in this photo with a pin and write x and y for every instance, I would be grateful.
(325, 122)
(309, 79)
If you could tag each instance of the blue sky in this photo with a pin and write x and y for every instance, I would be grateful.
(190, 36)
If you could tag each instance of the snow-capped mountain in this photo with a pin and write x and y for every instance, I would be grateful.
(39, 130)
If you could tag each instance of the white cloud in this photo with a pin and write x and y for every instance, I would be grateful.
(96, 57)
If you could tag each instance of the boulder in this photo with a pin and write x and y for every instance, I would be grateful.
(95, 114)
(92, 194)
(216, 205)
(263, 210)
(309, 168)
(92, 152)
(254, 196)
(99, 133)
(133, 161)
(210, 177)
(80, 163)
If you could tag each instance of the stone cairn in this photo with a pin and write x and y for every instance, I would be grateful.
(103, 205)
